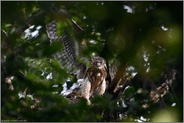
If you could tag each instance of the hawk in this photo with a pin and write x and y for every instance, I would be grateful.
(93, 78)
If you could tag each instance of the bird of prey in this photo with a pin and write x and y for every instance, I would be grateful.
(93, 77)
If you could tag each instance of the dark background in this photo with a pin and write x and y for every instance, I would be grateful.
(25, 62)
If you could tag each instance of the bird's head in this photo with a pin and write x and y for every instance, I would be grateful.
(98, 62)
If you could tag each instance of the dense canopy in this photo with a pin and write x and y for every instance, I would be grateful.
(140, 41)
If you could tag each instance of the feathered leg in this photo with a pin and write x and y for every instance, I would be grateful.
(86, 90)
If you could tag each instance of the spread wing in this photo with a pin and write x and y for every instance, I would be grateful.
(68, 56)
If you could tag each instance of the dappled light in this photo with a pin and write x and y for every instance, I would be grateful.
(50, 50)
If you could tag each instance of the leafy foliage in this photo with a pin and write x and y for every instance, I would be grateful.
(145, 37)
